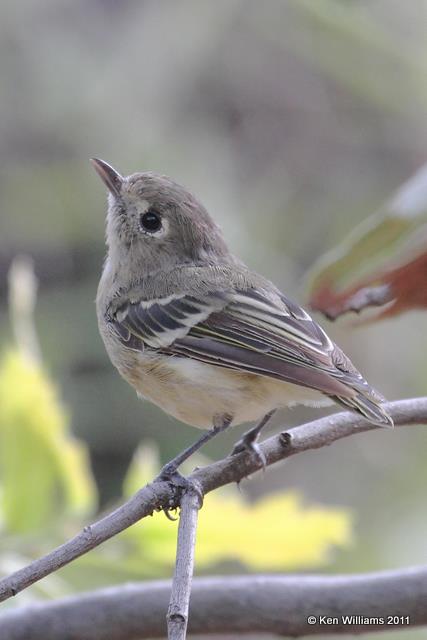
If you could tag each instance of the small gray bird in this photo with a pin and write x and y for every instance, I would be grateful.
(192, 329)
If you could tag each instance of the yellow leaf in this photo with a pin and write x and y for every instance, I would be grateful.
(278, 532)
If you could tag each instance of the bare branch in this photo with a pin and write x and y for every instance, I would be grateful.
(161, 495)
(233, 604)
(177, 616)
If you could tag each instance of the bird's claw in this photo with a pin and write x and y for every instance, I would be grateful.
(248, 443)
(180, 485)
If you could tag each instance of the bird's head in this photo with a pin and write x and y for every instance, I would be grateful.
(155, 224)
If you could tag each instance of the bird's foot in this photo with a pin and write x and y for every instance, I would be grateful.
(249, 444)
(169, 473)
(180, 485)
(249, 441)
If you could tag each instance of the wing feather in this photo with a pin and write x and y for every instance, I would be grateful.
(241, 330)
(248, 330)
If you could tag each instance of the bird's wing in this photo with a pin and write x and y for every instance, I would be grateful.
(249, 330)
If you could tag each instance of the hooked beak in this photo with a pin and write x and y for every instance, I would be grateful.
(110, 177)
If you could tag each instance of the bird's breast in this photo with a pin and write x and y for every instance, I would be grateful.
(197, 393)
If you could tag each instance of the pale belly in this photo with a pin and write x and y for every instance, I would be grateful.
(198, 393)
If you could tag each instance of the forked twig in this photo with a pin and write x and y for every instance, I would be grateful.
(160, 495)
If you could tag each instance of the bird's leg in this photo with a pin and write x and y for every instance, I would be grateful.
(248, 441)
(170, 470)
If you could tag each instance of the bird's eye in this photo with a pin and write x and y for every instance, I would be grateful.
(151, 221)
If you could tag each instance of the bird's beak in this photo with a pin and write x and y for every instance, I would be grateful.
(111, 178)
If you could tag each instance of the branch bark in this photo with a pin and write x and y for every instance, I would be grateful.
(275, 604)
(177, 616)
(161, 495)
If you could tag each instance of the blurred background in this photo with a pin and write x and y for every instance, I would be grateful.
(292, 121)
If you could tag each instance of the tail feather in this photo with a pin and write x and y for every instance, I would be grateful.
(368, 408)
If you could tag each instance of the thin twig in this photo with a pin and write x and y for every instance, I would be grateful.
(160, 495)
(369, 296)
(277, 604)
(177, 616)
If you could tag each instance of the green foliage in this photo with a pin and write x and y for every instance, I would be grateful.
(277, 532)
(44, 471)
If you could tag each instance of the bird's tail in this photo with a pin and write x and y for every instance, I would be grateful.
(367, 407)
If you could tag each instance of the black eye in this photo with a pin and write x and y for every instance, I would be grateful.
(151, 221)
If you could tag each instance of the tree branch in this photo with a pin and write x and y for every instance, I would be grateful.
(161, 495)
(177, 616)
(232, 604)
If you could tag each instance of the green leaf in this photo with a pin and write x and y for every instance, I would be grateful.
(44, 472)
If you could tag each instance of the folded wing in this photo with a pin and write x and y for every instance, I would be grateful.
(253, 331)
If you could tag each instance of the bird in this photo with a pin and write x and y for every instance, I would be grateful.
(197, 332)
